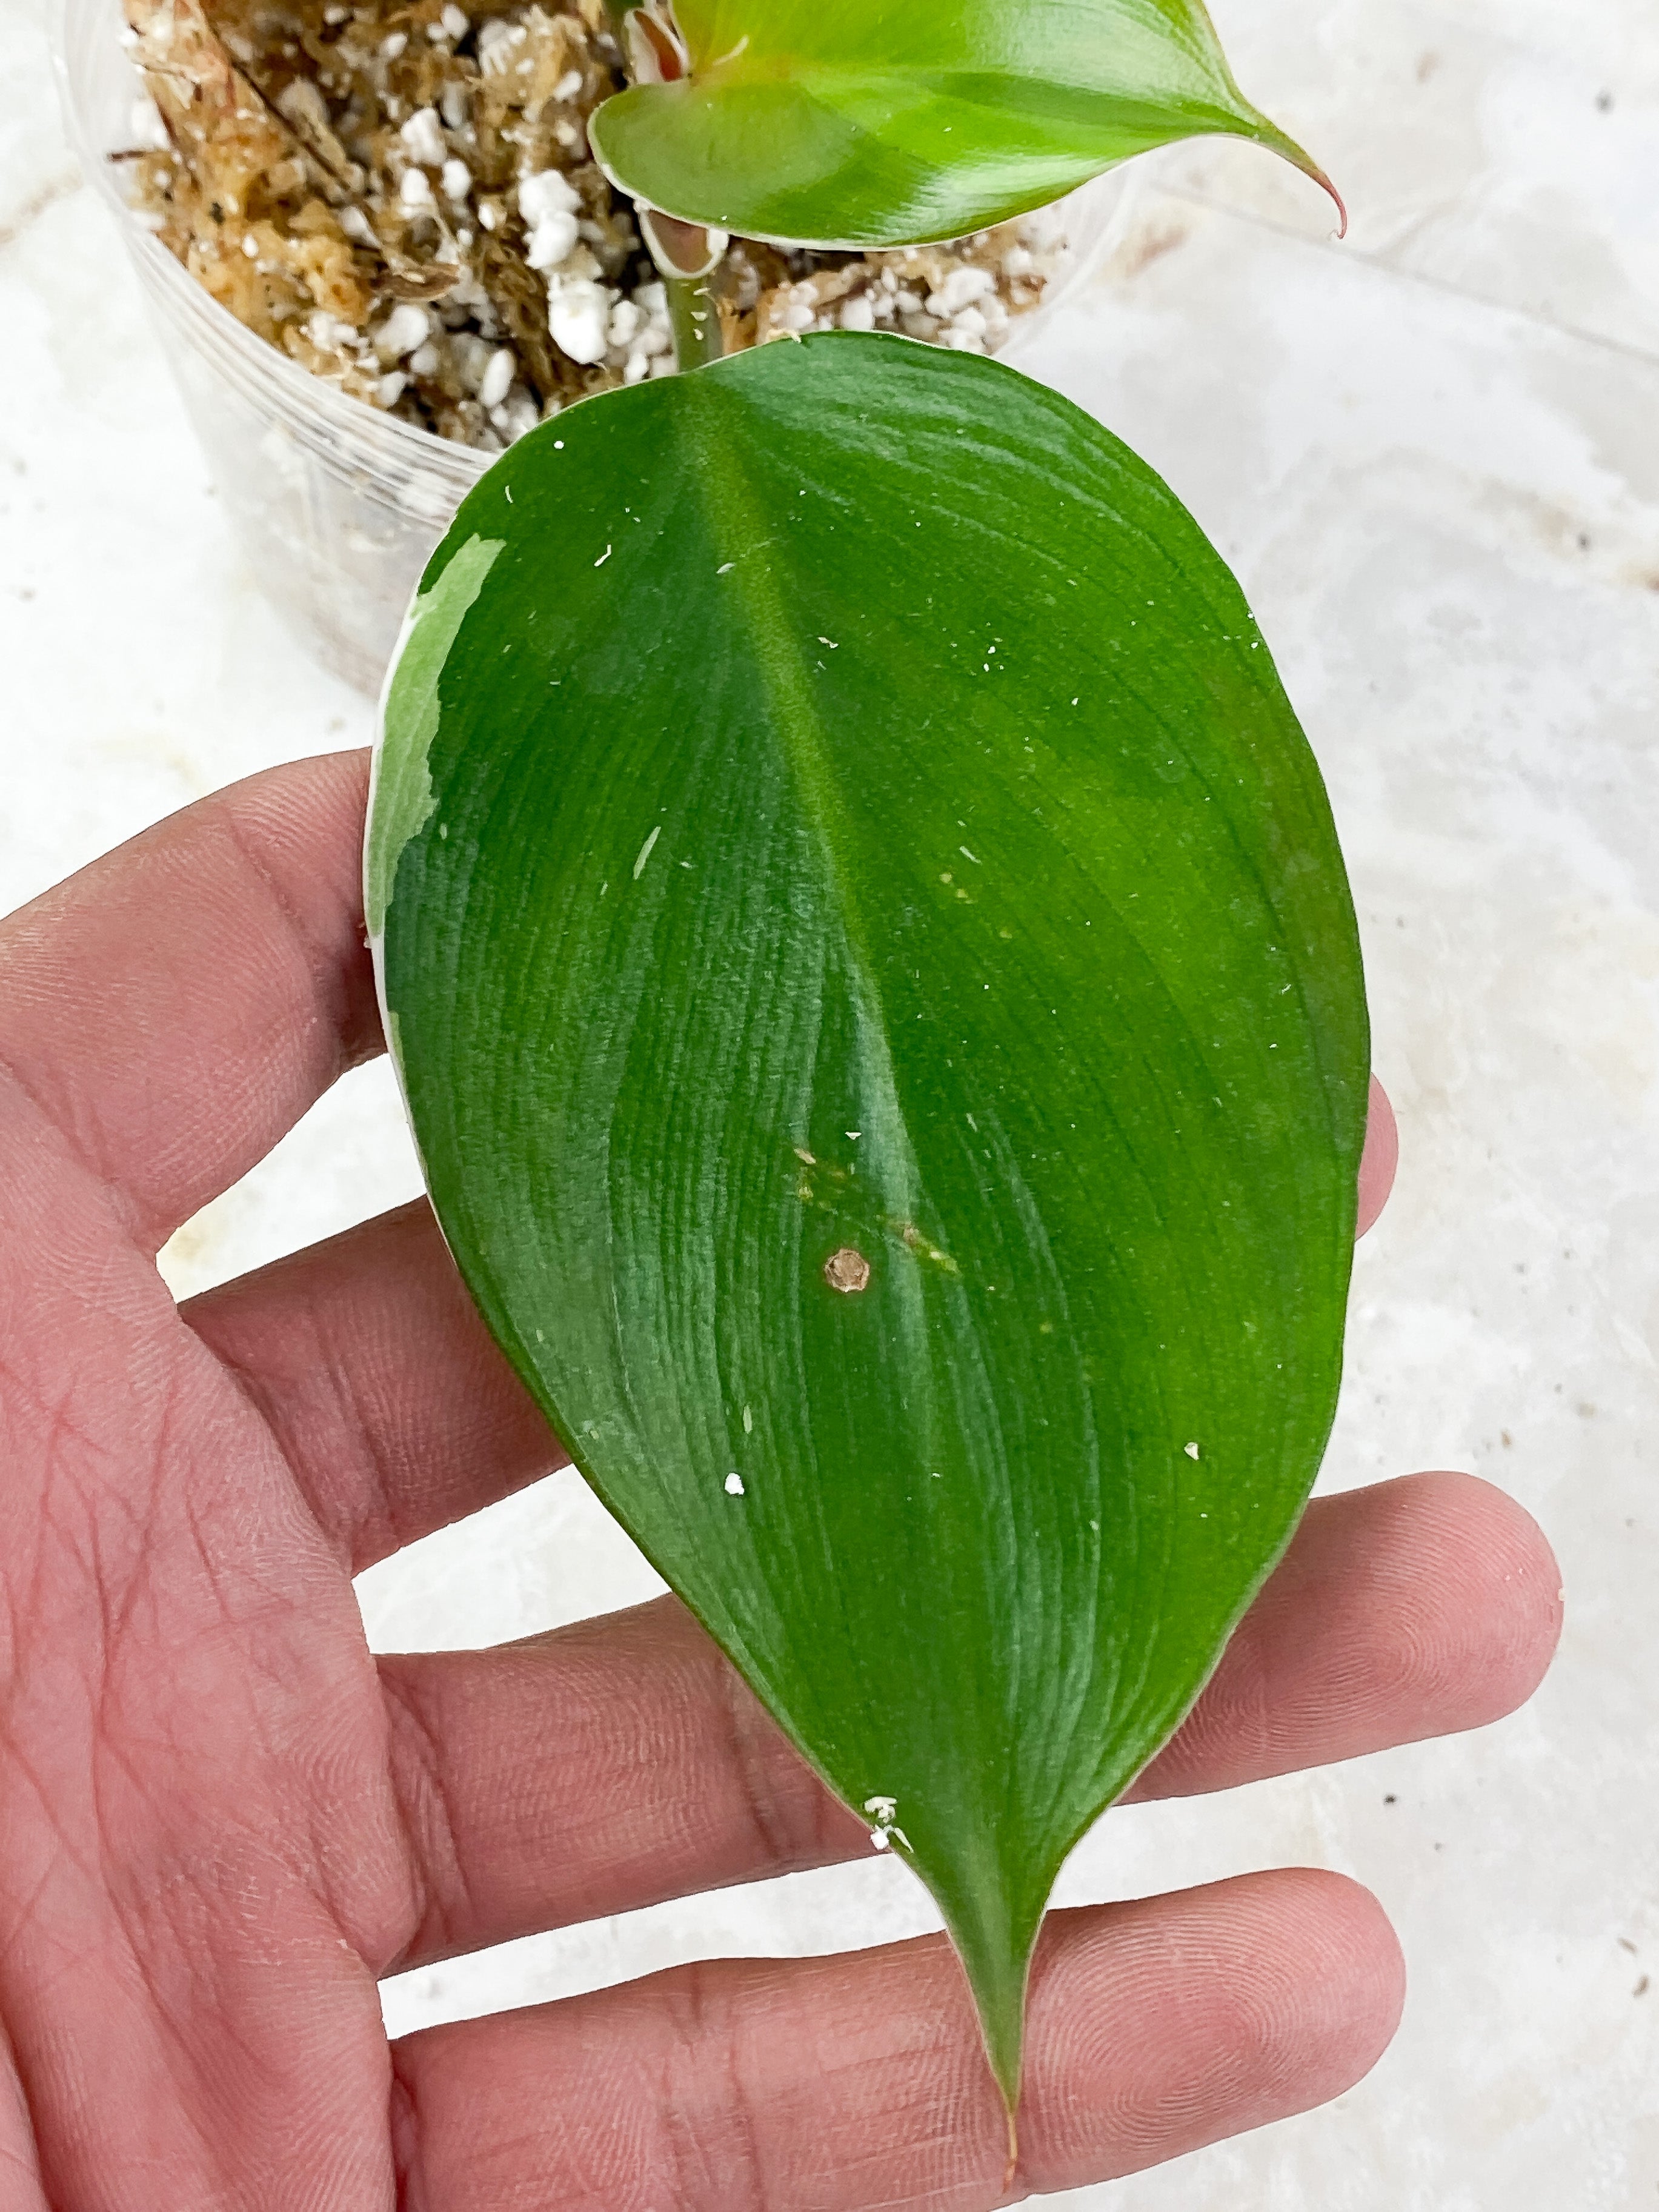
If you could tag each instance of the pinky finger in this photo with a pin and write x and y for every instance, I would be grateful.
(840, 2085)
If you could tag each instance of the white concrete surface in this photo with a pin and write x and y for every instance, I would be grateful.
(1433, 455)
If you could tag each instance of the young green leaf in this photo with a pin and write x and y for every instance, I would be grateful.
(856, 123)
(876, 987)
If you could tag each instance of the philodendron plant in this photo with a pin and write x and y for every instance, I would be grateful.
(871, 966)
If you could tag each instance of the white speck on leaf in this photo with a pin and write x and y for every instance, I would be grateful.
(1191, 1450)
(507, 489)
(645, 852)
(748, 1422)
(884, 1811)
(967, 855)
(726, 568)
(603, 557)
(734, 1486)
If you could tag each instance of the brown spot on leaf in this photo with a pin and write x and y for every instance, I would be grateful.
(846, 1270)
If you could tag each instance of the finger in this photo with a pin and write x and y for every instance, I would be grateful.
(839, 2084)
(177, 1005)
(1413, 1608)
(1379, 1159)
(622, 1761)
(385, 1391)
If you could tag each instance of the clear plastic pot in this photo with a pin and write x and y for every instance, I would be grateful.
(338, 505)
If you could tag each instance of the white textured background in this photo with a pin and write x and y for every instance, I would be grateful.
(1432, 454)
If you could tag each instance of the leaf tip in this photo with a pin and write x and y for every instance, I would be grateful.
(1267, 132)
(1339, 203)
(1011, 2167)
(997, 1980)
(1303, 160)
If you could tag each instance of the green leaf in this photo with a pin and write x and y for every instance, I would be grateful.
(857, 123)
(868, 844)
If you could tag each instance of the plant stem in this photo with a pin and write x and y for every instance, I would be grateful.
(695, 319)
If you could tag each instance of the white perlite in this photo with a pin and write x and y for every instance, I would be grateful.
(406, 327)
(590, 320)
(423, 138)
(578, 316)
(497, 379)
(432, 220)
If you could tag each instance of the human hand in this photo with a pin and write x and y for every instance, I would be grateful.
(222, 1820)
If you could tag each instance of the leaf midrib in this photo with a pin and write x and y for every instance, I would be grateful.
(736, 522)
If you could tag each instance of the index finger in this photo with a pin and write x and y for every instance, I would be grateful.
(176, 1006)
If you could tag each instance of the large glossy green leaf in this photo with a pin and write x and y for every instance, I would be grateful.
(858, 122)
(875, 984)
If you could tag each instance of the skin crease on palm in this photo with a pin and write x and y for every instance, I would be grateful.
(221, 1819)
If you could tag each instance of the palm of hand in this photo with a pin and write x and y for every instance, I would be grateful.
(221, 1819)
